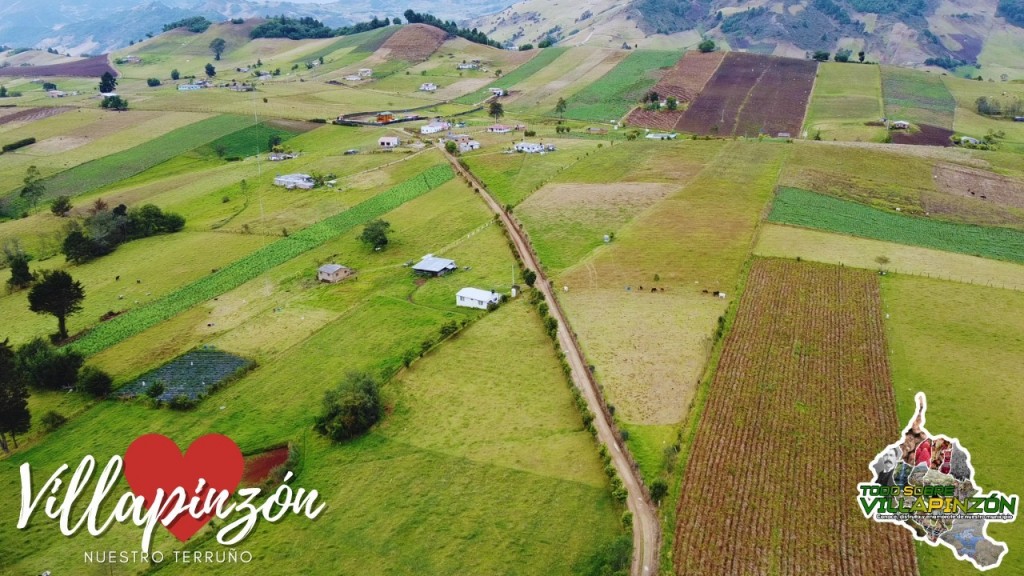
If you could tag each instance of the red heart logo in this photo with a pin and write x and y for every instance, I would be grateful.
(154, 462)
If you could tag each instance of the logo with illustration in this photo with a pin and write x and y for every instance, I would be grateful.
(926, 484)
(181, 492)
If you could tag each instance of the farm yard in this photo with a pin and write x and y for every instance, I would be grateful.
(800, 402)
(751, 95)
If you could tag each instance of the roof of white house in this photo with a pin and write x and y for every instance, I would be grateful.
(478, 294)
(331, 268)
(431, 263)
(388, 139)
(294, 177)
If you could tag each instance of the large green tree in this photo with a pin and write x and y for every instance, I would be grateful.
(58, 294)
(496, 110)
(217, 46)
(210, 70)
(351, 408)
(375, 234)
(33, 188)
(46, 368)
(560, 107)
(15, 417)
(107, 83)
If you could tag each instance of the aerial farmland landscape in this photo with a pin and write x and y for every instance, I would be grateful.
(584, 289)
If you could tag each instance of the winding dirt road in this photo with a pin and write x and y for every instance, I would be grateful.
(646, 528)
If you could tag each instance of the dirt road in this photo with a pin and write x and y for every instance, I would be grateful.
(646, 528)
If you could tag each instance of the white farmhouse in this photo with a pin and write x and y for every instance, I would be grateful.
(428, 87)
(529, 147)
(435, 126)
(292, 181)
(476, 298)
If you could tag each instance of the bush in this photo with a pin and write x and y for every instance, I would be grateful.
(18, 144)
(95, 382)
(152, 82)
(350, 409)
(47, 368)
(182, 402)
(659, 488)
(52, 420)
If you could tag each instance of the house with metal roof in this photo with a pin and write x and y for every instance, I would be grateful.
(476, 298)
(431, 265)
(292, 181)
(333, 273)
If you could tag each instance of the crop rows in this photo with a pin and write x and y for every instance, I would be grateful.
(683, 82)
(527, 69)
(803, 208)
(192, 374)
(235, 274)
(917, 97)
(751, 94)
(615, 93)
(800, 404)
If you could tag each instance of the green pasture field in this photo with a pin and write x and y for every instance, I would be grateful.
(511, 178)
(917, 97)
(803, 208)
(618, 91)
(818, 246)
(250, 141)
(1001, 55)
(573, 71)
(970, 123)
(962, 346)
(845, 97)
(256, 263)
(79, 136)
(510, 79)
(115, 167)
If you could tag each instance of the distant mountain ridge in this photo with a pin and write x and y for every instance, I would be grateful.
(99, 26)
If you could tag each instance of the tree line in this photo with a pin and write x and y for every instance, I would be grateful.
(449, 26)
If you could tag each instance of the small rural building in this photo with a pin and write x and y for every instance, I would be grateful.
(499, 129)
(292, 181)
(187, 87)
(431, 265)
(279, 156)
(385, 117)
(593, 130)
(468, 66)
(900, 125)
(265, 76)
(333, 273)
(469, 145)
(428, 87)
(529, 147)
(1018, 118)
(969, 140)
(436, 125)
(784, 135)
(498, 91)
(56, 93)
(132, 60)
(353, 78)
(365, 72)
(661, 136)
(458, 138)
(476, 298)
(389, 142)
(242, 88)
(242, 69)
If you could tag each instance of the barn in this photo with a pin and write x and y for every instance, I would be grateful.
(431, 265)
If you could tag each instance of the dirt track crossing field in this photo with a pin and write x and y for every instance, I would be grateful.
(800, 404)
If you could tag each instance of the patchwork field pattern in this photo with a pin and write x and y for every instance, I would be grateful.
(921, 99)
(683, 82)
(845, 98)
(88, 68)
(801, 400)
(751, 94)
(611, 97)
(527, 69)
(803, 208)
(413, 43)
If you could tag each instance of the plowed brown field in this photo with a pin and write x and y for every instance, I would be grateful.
(413, 43)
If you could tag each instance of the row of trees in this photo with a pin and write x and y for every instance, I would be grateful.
(842, 55)
(103, 230)
(992, 106)
(449, 26)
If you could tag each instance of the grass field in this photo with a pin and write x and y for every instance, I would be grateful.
(250, 141)
(970, 123)
(818, 246)
(510, 80)
(614, 94)
(803, 208)
(1001, 55)
(917, 97)
(511, 178)
(962, 345)
(573, 71)
(845, 97)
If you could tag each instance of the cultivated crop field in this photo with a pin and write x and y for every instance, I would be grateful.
(751, 94)
(192, 375)
(921, 99)
(571, 72)
(89, 67)
(803, 208)
(683, 82)
(614, 94)
(508, 80)
(801, 401)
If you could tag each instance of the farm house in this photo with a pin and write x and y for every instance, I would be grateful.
(333, 273)
(428, 87)
(900, 125)
(660, 136)
(431, 265)
(499, 129)
(292, 181)
(468, 146)
(365, 72)
(529, 147)
(187, 87)
(434, 127)
(476, 298)
(388, 142)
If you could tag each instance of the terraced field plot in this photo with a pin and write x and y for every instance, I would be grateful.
(573, 71)
(508, 81)
(921, 99)
(751, 95)
(799, 404)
